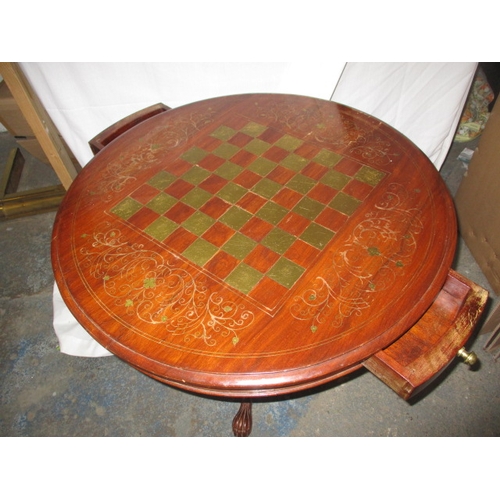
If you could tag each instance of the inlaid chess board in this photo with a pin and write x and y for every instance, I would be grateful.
(251, 205)
(253, 245)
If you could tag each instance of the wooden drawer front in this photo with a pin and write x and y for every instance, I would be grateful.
(113, 131)
(408, 365)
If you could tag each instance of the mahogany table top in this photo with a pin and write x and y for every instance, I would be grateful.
(253, 245)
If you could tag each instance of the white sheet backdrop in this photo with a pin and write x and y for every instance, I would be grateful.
(424, 101)
(85, 98)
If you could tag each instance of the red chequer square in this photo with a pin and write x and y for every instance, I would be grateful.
(247, 179)
(179, 167)
(306, 151)
(180, 239)
(322, 193)
(271, 135)
(315, 171)
(213, 184)
(243, 158)
(294, 224)
(302, 253)
(236, 122)
(256, 228)
(261, 258)
(179, 188)
(240, 139)
(144, 194)
(215, 207)
(276, 154)
(208, 143)
(251, 202)
(347, 166)
(268, 293)
(287, 198)
(143, 218)
(221, 264)
(281, 175)
(218, 234)
(358, 189)
(211, 162)
(331, 219)
(180, 212)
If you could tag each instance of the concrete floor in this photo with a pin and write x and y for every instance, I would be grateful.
(46, 393)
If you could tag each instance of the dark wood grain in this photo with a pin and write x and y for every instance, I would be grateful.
(253, 245)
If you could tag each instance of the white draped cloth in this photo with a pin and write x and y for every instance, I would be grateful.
(424, 101)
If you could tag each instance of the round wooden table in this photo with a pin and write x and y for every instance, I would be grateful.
(253, 245)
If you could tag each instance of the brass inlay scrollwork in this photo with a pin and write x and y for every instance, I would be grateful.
(380, 247)
(159, 291)
(340, 131)
(170, 135)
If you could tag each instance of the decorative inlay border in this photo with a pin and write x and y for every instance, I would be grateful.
(387, 233)
(159, 292)
(166, 137)
(356, 142)
(348, 136)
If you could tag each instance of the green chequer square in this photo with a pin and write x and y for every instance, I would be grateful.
(308, 208)
(161, 228)
(194, 155)
(345, 203)
(162, 180)
(301, 183)
(285, 272)
(253, 129)
(272, 212)
(195, 175)
(236, 218)
(334, 179)
(126, 208)
(266, 188)
(239, 246)
(295, 162)
(278, 240)
(369, 175)
(289, 143)
(231, 192)
(198, 223)
(228, 170)
(327, 158)
(200, 252)
(257, 146)
(244, 278)
(161, 203)
(317, 236)
(223, 133)
(196, 198)
(226, 150)
(262, 166)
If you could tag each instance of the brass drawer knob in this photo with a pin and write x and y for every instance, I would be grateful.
(468, 358)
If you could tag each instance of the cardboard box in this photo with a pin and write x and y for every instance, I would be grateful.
(477, 202)
(478, 214)
(492, 327)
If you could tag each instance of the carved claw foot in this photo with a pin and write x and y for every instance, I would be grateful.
(242, 421)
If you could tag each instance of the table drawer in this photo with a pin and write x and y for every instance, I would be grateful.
(412, 362)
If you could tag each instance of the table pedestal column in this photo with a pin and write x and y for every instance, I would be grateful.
(242, 421)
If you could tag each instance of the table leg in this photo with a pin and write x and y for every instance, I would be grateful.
(242, 421)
